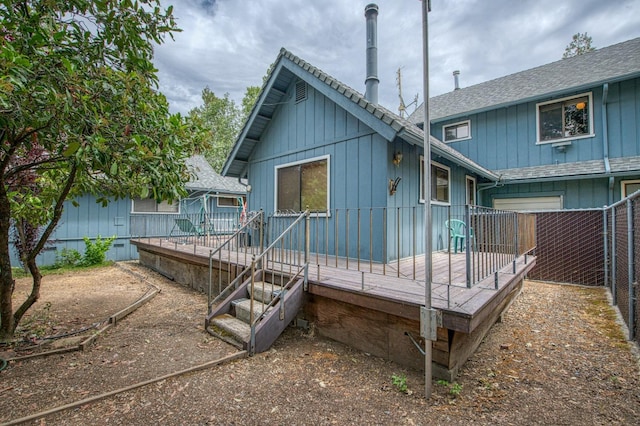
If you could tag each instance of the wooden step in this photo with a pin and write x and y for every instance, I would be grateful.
(266, 294)
(229, 326)
(243, 309)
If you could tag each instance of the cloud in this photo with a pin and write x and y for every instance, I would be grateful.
(228, 45)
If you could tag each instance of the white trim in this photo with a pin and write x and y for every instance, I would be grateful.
(295, 163)
(623, 183)
(527, 203)
(421, 175)
(591, 133)
(468, 178)
(132, 211)
(444, 133)
(230, 197)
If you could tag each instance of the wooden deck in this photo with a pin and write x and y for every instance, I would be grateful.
(374, 311)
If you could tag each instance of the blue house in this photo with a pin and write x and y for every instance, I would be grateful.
(312, 142)
(210, 195)
(562, 135)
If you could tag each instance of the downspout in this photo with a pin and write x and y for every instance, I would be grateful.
(605, 141)
(496, 184)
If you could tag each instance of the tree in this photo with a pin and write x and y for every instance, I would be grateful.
(221, 117)
(580, 44)
(79, 114)
(224, 119)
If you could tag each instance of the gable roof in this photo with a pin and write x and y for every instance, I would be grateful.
(206, 179)
(607, 65)
(289, 68)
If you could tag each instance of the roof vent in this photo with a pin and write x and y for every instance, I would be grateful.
(301, 91)
(456, 80)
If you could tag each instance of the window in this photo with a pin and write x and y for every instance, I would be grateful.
(628, 187)
(302, 185)
(457, 131)
(471, 190)
(566, 118)
(228, 202)
(440, 182)
(149, 205)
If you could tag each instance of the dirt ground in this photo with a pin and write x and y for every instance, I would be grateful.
(558, 357)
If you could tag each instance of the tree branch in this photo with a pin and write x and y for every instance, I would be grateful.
(57, 213)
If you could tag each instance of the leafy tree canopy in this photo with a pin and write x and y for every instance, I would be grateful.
(580, 44)
(80, 113)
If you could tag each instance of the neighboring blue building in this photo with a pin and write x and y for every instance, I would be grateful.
(209, 193)
(562, 135)
(310, 141)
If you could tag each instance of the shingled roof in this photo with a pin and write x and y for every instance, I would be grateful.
(621, 166)
(289, 67)
(206, 179)
(610, 64)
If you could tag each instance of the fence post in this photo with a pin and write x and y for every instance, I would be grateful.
(605, 234)
(631, 277)
(467, 234)
(614, 278)
(307, 239)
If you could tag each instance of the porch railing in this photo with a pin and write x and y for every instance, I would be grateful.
(390, 241)
(283, 262)
(387, 241)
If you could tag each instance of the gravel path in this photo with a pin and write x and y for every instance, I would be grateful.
(558, 357)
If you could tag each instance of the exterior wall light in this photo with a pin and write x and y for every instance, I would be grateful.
(397, 158)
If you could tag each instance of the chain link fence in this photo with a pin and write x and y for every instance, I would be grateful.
(570, 247)
(595, 247)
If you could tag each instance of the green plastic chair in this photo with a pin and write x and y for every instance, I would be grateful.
(457, 234)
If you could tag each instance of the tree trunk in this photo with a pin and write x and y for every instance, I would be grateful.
(7, 282)
(33, 296)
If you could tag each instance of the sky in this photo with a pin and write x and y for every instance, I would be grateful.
(228, 45)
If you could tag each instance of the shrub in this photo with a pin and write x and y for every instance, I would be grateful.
(95, 252)
(67, 257)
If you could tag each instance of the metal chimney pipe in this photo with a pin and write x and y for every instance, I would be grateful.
(371, 82)
(456, 75)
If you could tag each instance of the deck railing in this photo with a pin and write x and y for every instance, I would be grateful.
(387, 241)
(390, 241)
(283, 262)
(203, 229)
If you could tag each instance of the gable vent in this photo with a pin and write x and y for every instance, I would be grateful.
(301, 91)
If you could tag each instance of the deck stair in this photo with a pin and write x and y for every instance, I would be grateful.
(274, 307)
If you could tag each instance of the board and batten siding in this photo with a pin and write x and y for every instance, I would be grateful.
(314, 128)
(505, 138)
(89, 219)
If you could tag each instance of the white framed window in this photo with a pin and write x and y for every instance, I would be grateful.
(566, 118)
(457, 131)
(471, 190)
(149, 205)
(628, 187)
(303, 184)
(440, 183)
(228, 202)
